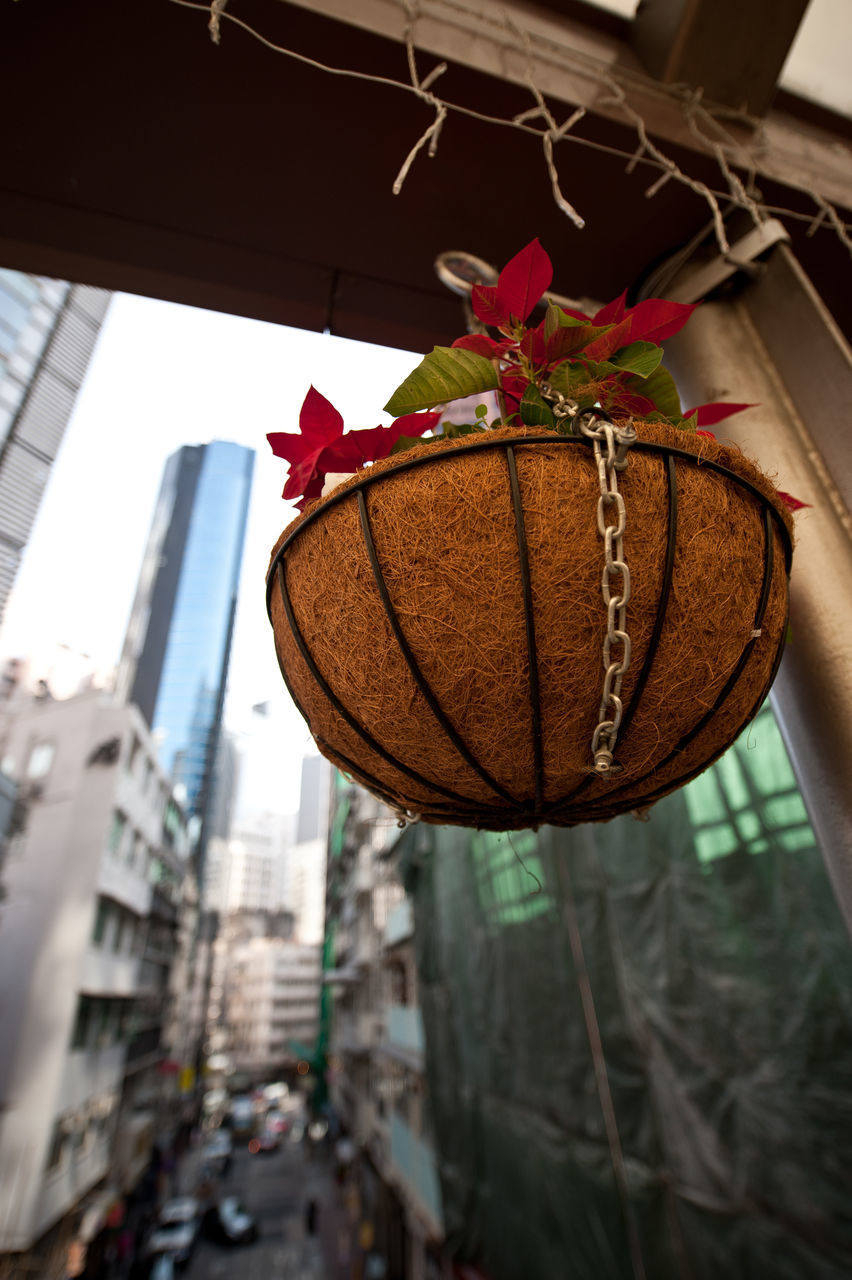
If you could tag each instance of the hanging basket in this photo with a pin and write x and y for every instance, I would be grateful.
(439, 622)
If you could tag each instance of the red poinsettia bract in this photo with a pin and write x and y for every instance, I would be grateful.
(321, 446)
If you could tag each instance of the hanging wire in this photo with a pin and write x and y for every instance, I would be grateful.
(645, 153)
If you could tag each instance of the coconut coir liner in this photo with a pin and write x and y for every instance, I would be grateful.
(446, 541)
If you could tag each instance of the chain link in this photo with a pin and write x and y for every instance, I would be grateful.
(563, 409)
(610, 444)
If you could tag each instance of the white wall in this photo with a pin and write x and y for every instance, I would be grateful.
(52, 877)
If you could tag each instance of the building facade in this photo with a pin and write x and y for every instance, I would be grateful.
(377, 1070)
(265, 994)
(250, 871)
(174, 662)
(87, 934)
(48, 330)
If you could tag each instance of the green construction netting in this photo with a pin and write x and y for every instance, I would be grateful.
(720, 972)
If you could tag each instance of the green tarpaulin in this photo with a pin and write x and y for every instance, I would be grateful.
(719, 974)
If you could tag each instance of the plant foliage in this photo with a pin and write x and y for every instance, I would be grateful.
(611, 361)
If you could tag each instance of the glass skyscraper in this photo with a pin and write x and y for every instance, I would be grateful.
(48, 329)
(174, 664)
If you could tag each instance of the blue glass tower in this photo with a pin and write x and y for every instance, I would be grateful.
(174, 664)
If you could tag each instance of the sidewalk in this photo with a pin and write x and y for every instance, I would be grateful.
(337, 1214)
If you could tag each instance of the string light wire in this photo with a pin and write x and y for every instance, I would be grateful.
(698, 118)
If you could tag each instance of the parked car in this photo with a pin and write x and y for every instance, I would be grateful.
(277, 1122)
(228, 1223)
(176, 1230)
(217, 1151)
(267, 1140)
(241, 1116)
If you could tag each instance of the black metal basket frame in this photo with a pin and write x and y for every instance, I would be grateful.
(572, 808)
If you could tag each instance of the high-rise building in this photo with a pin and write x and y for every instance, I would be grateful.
(249, 871)
(88, 933)
(174, 663)
(48, 330)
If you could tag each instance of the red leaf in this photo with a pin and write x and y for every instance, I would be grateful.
(620, 335)
(359, 447)
(717, 411)
(523, 280)
(578, 315)
(631, 402)
(513, 386)
(656, 319)
(534, 346)
(613, 312)
(486, 306)
(313, 490)
(302, 476)
(707, 434)
(792, 504)
(482, 345)
(570, 340)
(319, 425)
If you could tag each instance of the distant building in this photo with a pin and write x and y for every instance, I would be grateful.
(306, 871)
(249, 872)
(270, 1001)
(226, 777)
(174, 662)
(48, 329)
(379, 1087)
(314, 795)
(88, 933)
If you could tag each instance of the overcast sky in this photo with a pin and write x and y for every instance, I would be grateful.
(164, 375)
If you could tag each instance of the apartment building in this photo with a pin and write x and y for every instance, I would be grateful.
(91, 885)
(377, 1073)
(271, 996)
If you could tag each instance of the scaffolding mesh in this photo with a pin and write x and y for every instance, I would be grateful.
(720, 971)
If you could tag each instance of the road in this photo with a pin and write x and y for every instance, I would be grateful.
(275, 1188)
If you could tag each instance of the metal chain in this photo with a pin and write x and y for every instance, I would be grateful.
(562, 407)
(616, 440)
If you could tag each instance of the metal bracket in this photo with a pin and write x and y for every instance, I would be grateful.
(696, 282)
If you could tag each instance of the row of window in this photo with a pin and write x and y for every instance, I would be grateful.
(117, 929)
(102, 1021)
(127, 844)
(75, 1133)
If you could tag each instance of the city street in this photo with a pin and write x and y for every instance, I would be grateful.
(275, 1189)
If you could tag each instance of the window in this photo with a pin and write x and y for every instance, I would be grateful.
(116, 833)
(83, 1023)
(102, 915)
(41, 758)
(133, 753)
(57, 1145)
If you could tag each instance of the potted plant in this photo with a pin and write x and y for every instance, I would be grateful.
(556, 612)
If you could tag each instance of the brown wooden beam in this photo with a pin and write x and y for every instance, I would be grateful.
(731, 49)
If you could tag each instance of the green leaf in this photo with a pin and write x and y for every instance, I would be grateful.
(535, 411)
(572, 322)
(481, 411)
(447, 373)
(551, 320)
(640, 358)
(450, 430)
(660, 388)
(570, 379)
(408, 442)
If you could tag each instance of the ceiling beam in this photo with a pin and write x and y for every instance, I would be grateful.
(730, 49)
